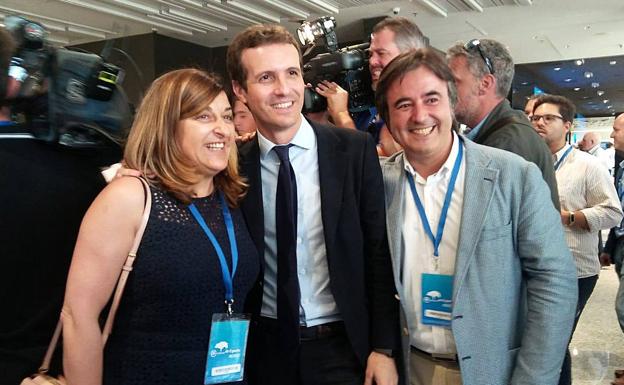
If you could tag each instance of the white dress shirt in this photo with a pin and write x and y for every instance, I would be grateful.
(317, 301)
(585, 185)
(418, 247)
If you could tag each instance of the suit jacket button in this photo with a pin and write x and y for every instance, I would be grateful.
(405, 332)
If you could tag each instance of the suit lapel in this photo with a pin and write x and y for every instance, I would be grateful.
(333, 162)
(252, 206)
(478, 191)
(394, 179)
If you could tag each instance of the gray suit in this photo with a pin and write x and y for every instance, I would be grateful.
(515, 288)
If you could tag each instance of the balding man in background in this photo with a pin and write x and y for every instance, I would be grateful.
(591, 144)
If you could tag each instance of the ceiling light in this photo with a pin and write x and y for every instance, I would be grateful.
(296, 12)
(46, 18)
(435, 7)
(474, 5)
(578, 62)
(595, 85)
(98, 7)
(319, 5)
(568, 80)
(172, 19)
(577, 88)
(139, 6)
(202, 21)
(609, 106)
(588, 74)
(600, 92)
(219, 11)
(605, 101)
(525, 83)
(557, 68)
(612, 62)
(83, 31)
(272, 17)
(172, 4)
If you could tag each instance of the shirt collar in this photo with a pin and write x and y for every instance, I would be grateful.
(560, 153)
(445, 171)
(472, 133)
(304, 138)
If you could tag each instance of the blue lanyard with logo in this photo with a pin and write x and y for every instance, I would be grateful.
(228, 333)
(225, 271)
(565, 155)
(445, 207)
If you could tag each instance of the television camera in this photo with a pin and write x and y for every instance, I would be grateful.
(66, 96)
(348, 66)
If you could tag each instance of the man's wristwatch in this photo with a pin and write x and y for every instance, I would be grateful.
(571, 218)
(385, 352)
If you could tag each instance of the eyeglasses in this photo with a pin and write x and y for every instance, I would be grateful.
(548, 118)
(475, 44)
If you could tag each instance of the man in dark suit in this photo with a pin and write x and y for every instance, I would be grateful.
(315, 211)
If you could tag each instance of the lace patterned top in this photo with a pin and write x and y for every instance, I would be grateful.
(162, 328)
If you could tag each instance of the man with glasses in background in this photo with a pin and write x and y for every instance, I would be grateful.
(589, 202)
(483, 71)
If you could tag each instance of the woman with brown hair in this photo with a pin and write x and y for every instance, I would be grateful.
(183, 140)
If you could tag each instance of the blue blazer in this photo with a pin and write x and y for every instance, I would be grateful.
(515, 285)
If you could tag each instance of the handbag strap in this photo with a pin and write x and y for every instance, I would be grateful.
(121, 284)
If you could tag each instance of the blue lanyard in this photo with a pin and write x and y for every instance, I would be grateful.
(225, 271)
(565, 154)
(447, 202)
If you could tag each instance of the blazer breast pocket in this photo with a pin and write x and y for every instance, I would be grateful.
(495, 232)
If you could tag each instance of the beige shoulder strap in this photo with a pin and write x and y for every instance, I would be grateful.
(121, 284)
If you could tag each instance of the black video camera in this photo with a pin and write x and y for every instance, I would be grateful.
(70, 97)
(348, 67)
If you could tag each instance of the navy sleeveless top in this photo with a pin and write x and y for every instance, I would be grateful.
(162, 328)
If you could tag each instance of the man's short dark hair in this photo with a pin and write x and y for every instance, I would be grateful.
(407, 35)
(410, 61)
(565, 105)
(255, 36)
(7, 49)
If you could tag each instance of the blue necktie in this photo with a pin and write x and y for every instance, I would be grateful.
(286, 229)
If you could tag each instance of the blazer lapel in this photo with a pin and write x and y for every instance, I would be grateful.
(394, 179)
(333, 162)
(252, 206)
(478, 191)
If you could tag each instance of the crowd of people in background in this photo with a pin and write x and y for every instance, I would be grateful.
(439, 238)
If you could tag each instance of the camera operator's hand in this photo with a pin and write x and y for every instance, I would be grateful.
(337, 103)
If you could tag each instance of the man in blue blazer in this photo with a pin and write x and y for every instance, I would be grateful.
(487, 284)
(343, 292)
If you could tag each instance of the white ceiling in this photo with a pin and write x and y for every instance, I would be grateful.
(539, 30)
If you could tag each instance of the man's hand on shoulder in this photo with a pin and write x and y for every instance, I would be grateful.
(118, 170)
(381, 370)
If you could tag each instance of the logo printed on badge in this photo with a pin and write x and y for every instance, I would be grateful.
(221, 346)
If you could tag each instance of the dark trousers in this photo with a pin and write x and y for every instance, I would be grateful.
(326, 360)
(585, 289)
